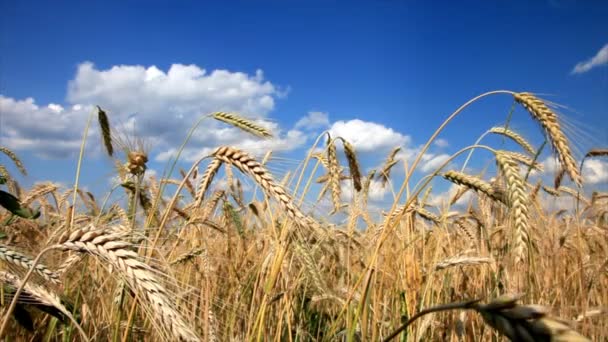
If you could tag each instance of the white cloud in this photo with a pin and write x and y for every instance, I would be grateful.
(49, 131)
(601, 58)
(444, 198)
(158, 106)
(377, 192)
(441, 143)
(368, 136)
(430, 162)
(313, 120)
(595, 171)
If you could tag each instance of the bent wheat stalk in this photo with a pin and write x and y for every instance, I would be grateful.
(41, 296)
(526, 323)
(248, 165)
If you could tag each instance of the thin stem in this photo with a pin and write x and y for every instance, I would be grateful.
(79, 166)
(452, 306)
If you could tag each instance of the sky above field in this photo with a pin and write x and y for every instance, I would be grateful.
(378, 73)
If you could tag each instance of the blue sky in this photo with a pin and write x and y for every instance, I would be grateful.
(399, 67)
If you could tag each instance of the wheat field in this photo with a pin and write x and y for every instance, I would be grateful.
(184, 259)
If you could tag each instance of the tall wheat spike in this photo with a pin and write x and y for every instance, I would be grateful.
(334, 174)
(207, 178)
(110, 247)
(476, 184)
(242, 123)
(385, 172)
(518, 201)
(25, 262)
(106, 134)
(515, 137)
(15, 159)
(250, 166)
(550, 123)
(353, 164)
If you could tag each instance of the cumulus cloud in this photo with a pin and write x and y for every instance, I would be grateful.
(595, 171)
(430, 162)
(377, 192)
(443, 198)
(313, 120)
(368, 136)
(441, 143)
(158, 106)
(51, 131)
(600, 58)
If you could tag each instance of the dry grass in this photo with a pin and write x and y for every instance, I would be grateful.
(226, 263)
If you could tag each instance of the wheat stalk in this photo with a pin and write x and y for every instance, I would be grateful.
(521, 323)
(264, 179)
(550, 123)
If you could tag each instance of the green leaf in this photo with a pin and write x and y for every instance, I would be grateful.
(11, 203)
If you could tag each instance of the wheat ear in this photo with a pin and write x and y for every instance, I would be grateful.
(334, 174)
(525, 322)
(41, 296)
(109, 247)
(207, 178)
(25, 262)
(518, 201)
(106, 134)
(515, 137)
(248, 165)
(242, 123)
(353, 164)
(550, 123)
(385, 171)
(476, 184)
(15, 159)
